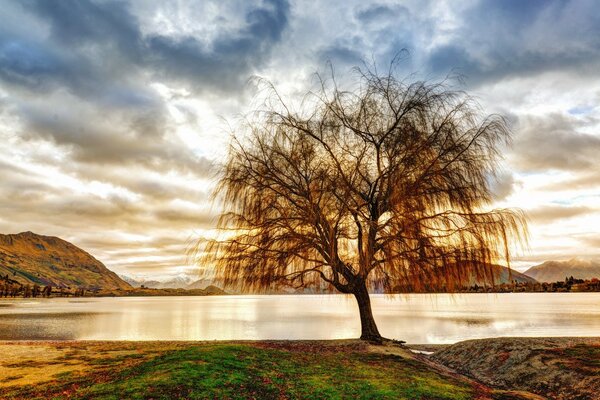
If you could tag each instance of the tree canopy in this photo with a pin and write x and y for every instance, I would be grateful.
(384, 186)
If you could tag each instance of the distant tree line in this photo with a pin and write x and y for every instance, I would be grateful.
(12, 288)
(570, 284)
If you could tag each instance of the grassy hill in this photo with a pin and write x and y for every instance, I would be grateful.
(46, 260)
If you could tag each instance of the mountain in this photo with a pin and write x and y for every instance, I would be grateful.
(178, 282)
(200, 284)
(493, 274)
(139, 282)
(554, 271)
(488, 276)
(505, 275)
(47, 260)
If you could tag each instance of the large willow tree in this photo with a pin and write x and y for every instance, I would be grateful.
(382, 187)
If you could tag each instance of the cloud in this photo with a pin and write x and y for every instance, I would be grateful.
(87, 129)
(81, 77)
(377, 12)
(109, 109)
(499, 39)
(581, 181)
(503, 186)
(106, 45)
(555, 142)
(592, 240)
(553, 213)
(341, 54)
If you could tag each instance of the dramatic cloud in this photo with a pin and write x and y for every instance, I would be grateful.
(115, 114)
(92, 43)
(499, 39)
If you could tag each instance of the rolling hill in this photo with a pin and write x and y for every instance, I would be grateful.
(554, 271)
(29, 258)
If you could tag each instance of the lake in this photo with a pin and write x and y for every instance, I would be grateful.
(416, 318)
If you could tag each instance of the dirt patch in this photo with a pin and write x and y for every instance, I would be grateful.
(31, 363)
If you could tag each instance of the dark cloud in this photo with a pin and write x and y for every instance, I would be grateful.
(93, 71)
(231, 56)
(341, 54)
(498, 39)
(94, 43)
(377, 12)
(68, 209)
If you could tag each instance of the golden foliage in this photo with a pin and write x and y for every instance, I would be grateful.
(386, 185)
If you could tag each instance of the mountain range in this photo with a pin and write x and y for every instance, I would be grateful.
(178, 282)
(553, 271)
(30, 258)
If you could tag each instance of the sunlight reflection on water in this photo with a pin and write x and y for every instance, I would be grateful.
(419, 318)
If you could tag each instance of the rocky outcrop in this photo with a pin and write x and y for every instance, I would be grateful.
(558, 368)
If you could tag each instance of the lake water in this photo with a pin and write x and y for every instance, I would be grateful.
(418, 318)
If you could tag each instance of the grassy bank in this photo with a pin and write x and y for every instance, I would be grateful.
(221, 370)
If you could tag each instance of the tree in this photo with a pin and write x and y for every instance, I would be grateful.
(379, 187)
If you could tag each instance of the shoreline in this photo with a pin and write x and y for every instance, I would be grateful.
(180, 294)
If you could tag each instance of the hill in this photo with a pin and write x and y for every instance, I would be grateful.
(29, 258)
(554, 271)
(504, 275)
(200, 284)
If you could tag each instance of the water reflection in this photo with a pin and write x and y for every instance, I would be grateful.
(414, 318)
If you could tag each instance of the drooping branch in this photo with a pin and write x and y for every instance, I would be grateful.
(386, 185)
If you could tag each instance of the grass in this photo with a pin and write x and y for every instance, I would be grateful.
(261, 370)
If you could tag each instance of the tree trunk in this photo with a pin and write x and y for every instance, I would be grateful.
(368, 326)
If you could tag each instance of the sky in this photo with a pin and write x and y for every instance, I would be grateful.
(115, 115)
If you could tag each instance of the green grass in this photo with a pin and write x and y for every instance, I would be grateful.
(248, 371)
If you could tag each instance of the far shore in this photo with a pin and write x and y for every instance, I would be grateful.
(215, 291)
(499, 368)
